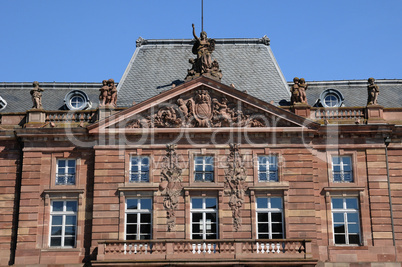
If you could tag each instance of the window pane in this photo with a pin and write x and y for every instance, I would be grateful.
(353, 217)
(262, 176)
(211, 228)
(199, 168)
(277, 236)
(57, 220)
(199, 160)
(70, 220)
(145, 218)
(337, 203)
(131, 218)
(262, 160)
(71, 170)
(71, 205)
(338, 217)
(70, 230)
(196, 228)
(132, 204)
(135, 177)
(263, 236)
(354, 239)
(145, 237)
(195, 236)
(211, 217)
(276, 203)
(197, 217)
(145, 161)
(337, 177)
(55, 242)
(210, 203)
(262, 167)
(263, 228)
(209, 177)
(340, 239)
(196, 203)
(131, 229)
(262, 217)
(71, 163)
(262, 203)
(57, 205)
(209, 168)
(56, 230)
(69, 241)
(146, 204)
(351, 203)
(339, 228)
(211, 236)
(277, 227)
(348, 177)
(209, 160)
(273, 176)
(346, 160)
(198, 176)
(336, 160)
(145, 228)
(131, 237)
(276, 217)
(353, 228)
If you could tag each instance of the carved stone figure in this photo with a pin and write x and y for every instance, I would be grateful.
(108, 93)
(200, 111)
(302, 91)
(203, 64)
(170, 186)
(235, 185)
(294, 90)
(36, 94)
(373, 92)
(104, 91)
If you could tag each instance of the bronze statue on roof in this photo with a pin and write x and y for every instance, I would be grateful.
(203, 64)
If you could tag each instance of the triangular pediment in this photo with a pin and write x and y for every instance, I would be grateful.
(201, 103)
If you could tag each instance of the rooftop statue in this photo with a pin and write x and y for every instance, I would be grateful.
(108, 93)
(302, 90)
(36, 94)
(373, 91)
(298, 91)
(203, 64)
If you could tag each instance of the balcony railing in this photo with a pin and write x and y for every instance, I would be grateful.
(340, 113)
(239, 249)
(71, 116)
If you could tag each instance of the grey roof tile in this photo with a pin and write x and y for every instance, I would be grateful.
(247, 63)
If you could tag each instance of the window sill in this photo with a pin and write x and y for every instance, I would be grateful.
(54, 249)
(138, 186)
(63, 190)
(346, 187)
(204, 186)
(347, 247)
(270, 186)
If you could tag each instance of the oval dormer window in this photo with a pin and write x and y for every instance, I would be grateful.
(3, 103)
(331, 98)
(77, 100)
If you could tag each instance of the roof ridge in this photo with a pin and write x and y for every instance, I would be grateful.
(264, 40)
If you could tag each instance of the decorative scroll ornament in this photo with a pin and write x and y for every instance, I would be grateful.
(235, 183)
(201, 111)
(170, 185)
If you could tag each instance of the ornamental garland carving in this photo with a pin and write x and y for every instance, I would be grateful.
(235, 183)
(170, 186)
(200, 110)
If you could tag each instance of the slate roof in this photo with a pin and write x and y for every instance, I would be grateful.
(355, 92)
(19, 99)
(247, 63)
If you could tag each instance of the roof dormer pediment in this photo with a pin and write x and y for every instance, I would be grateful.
(199, 104)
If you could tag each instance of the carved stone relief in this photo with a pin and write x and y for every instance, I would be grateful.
(235, 183)
(200, 110)
(170, 186)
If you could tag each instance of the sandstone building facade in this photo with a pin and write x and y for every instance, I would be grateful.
(208, 169)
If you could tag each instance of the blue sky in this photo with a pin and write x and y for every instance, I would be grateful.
(91, 40)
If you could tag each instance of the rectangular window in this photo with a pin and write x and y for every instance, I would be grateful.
(65, 174)
(138, 218)
(268, 168)
(204, 169)
(345, 220)
(269, 218)
(342, 169)
(63, 217)
(204, 218)
(139, 169)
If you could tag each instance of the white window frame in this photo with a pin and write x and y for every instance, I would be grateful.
(342, 169)
(140, 180)
(203, 172)
(268, 165)
(63, 213)
(345, 211)
(139, 211)
(66, 174)
(204, 211)
(269, 210)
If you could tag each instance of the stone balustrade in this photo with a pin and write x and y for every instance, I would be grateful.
(341, 113)
(71, 116)
(297, 249)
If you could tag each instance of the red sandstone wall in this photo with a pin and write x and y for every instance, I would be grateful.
(9, 160)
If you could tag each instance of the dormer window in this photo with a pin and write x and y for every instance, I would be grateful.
(3, 103)
(77, 100)
(331, 98)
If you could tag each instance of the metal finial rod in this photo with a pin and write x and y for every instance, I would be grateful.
(202, 15)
